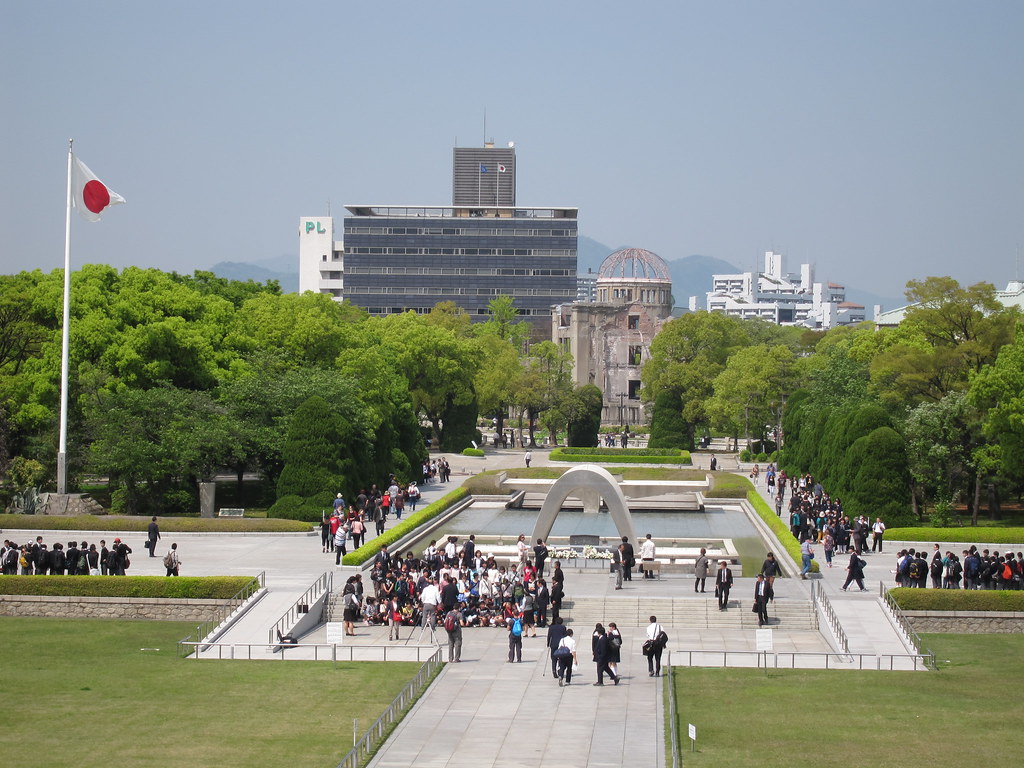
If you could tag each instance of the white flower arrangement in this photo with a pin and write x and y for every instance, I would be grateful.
(592, 553)
(589, 552)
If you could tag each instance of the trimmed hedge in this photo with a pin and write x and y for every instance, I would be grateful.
(141, 524)
(603, 451)
(779, 528)
(389, 537)
(573, 454)
(958, 535)
(473, 452)
(177, 587)
(958, 599)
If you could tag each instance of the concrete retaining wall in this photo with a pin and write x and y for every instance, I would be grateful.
(966, 622)
(112, 608)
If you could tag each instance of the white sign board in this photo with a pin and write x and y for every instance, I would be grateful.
(693, 732)
(335, 631)
(764, 639)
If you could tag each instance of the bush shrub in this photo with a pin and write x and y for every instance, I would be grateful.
(623, 455)
(602, 451)
(309, 509)
(958, 599)
(1013, 536)
(746, 455)
(179, 588)
(372, 547)
(779, 528)
(478, 452)
(141, 524)
(761, 458)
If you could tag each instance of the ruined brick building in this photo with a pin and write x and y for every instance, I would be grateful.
(610, 338)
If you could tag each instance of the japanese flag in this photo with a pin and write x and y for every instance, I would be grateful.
(91, 195)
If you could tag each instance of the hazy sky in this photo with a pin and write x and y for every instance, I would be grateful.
(881, 141)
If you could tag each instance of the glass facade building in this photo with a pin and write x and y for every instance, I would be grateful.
(401, 258)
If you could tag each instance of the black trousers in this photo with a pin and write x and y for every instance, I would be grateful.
(723, 595)
(654, 659)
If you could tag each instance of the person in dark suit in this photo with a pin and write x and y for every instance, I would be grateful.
(555, 634)
(602, 655)
(557, 593)
(628, 559)
(762, 593)
(723, 583)
(469, 552)
(154, 535)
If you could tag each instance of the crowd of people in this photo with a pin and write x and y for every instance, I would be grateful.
(972, 569)
(37, 558)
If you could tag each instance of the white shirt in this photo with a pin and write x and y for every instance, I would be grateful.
(647, 550)
(653, 630)
(430, 595)
(568, 642)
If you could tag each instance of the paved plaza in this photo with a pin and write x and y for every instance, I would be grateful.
(487, 712)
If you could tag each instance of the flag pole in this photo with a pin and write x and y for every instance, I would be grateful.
(62, 459)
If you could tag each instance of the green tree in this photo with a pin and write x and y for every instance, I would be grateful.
(311, 452)
(686, 356)
(750, 390)
(668, 428)
(155, 445)
(584, 408)
(881, 485)
(438, 366)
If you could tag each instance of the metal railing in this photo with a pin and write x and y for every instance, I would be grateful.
(673, 712)
(377, 732)
(311, 651)
(824, 606)
(233, 604)
(323, 584)
(903, 623)
(888, 662)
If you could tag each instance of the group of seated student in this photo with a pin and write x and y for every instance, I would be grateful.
(484, 593)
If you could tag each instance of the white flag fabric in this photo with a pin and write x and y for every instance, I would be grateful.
(91, 195)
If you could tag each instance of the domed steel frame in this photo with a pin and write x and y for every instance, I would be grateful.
(634, 263)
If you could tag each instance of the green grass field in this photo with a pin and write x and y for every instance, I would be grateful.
(93, 693)
(954, 716)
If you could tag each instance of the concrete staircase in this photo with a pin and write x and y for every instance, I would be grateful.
(686, 612)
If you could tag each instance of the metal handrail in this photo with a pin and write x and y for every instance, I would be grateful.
(237, 600)
(673, 712)
(904, 623)
(301, 651)
(766, 659)
(821, 601)
(377, 732)
(323, 584)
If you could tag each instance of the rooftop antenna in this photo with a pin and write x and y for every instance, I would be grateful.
(485, 125)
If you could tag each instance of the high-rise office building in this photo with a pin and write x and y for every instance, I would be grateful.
(397, 258)
(484, 176)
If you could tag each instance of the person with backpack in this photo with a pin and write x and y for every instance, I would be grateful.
(515, 638)
(855, 572)
(453, 626)
(914, 572)
(564, 654)
(172, 562)
(935, 568)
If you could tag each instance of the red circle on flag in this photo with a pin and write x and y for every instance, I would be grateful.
(95, 196)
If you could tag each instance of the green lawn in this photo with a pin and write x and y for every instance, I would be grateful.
(94, 693)
(864, 719)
